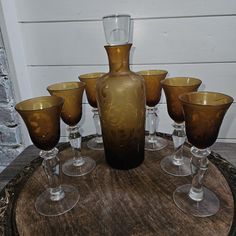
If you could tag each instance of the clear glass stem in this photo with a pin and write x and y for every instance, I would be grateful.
(97, 124)
(199, 164)
(52, 168)
(178, 137)
(75, 140)
(152, 121)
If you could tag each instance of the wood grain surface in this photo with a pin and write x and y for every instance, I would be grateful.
(112, 202)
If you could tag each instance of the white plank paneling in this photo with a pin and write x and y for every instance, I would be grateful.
(228, 127)
(43, 76)
(62, 39)
(14, 49)
(189, 40)
(1, 41)
(57, 10)
(215, 77)
(15, 55)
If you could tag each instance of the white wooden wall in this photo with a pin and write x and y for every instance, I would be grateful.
(1, 40)
(54, 40)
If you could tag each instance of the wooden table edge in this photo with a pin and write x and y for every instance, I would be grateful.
(9, 194)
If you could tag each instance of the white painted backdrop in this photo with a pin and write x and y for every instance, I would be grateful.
(51, 41)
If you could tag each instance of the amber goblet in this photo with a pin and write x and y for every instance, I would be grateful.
(42, 118)
(72, 93)
(90, 80)
(153, 87)
(204, 113)
(177, 164)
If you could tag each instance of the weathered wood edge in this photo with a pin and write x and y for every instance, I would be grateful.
(10, 193)
(229, 172)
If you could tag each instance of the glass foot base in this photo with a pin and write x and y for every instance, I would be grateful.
(68, 168)
(207, 207)
(155, 143)
(94, 145)
(45, 206)
(170, 168)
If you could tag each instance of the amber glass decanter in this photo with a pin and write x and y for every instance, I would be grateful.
(121, 103)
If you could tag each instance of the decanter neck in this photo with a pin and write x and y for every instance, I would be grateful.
(118, 57)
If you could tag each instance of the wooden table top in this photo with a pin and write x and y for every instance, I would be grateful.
(120, 200)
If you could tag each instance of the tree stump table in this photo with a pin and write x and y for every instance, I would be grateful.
(114, 202)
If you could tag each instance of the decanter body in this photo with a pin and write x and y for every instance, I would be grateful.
(121, 103)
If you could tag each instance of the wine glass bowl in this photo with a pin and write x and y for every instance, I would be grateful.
(204, 113)
(42, 119)
(153, 88)
(90, 79)
(72, 93)
(174, 87)
(153, 85)
(177, 164)
(207, 109)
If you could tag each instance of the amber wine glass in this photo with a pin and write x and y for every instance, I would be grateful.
(90, 80)
(177, 164)
(153, 87)
(204, 113)
(72, 93)
(42, 118)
